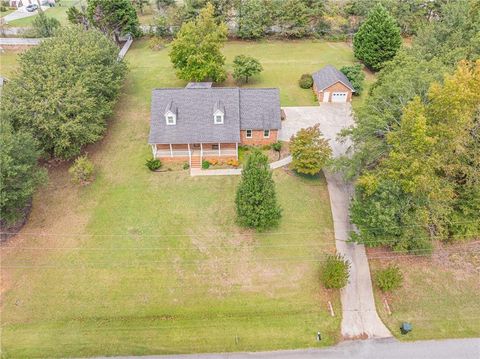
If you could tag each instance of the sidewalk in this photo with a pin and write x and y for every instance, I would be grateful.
(194, 172)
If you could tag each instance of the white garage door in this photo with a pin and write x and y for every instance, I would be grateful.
(339, 96)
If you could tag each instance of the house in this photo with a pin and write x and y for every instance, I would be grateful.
(331, 85)
(201, 122)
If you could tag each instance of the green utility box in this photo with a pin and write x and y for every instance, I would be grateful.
(406, 328)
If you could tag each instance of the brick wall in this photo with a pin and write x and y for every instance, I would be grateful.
(257, 138)
(337, 87)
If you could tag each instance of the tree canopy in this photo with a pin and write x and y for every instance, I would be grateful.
(256, 200)
(65, 90)
(195, 53)
(245, 67)
(310, 151)
(378, 39)
(20, 174)
(113, 17)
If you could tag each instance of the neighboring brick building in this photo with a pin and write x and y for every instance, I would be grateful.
(203, 122)
(331, 85)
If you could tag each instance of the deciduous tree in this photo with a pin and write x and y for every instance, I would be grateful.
(195, 53)
(20, 174)
(310, 151)
(356, 76)
(65, 90)
(245, 67)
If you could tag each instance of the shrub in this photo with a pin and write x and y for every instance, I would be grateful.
(389, 279)
(156, 43)
(277, 146)
(205, 165)
(335, 272)
(82, 170)
(356, 76)
(233, 163)
(213, 162)
(186, 166)
(306, 81)
(153, 164)
(3, 9)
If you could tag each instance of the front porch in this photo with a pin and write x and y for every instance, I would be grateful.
(195, 153)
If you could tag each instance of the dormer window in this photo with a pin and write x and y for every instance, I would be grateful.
(218, 119)
(171, 114)
(218, 113)
(170, 118)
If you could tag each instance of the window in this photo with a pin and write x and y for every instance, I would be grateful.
(170, 119)
(249, 133)
(218, 119)
(215, 146)
(266, 133)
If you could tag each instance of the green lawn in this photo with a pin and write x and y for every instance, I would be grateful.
(283, 63)
(8, 63)
(143, 263)
(58, 12)
(439, 296)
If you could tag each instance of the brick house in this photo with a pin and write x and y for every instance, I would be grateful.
(203, 122)
(331, 85)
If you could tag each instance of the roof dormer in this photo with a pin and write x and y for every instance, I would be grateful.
(218, 113)
(171, 114)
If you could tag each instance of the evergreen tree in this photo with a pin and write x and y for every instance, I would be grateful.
(196, 51)
(113, 17)
(256, 201)
(378, 39)
(44, 26)
(253, 18)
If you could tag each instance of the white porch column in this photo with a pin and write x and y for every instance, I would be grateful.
(201, 151)
(154, 151)
(189, 155)
(171, 151)
(219, 151)
(236, 148)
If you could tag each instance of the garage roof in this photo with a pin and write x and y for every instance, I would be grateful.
(328, 76)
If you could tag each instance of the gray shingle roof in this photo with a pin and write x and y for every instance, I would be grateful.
(328, 76)
(243, 109)
(260, 109)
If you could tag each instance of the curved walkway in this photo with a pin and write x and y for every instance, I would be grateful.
(236, 171)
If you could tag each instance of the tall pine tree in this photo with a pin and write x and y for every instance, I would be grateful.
(256, 200)
(378, 39)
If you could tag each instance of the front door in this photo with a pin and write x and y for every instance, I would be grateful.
(326, 96)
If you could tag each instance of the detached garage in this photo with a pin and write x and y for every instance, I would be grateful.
(331, 85)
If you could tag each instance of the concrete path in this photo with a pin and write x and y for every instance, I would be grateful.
(235, 171)
(359, 315)
(365, 349)
(17, 41)
(20, 13)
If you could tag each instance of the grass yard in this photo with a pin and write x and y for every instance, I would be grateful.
(439, 296)
(58, 12)
(142, 263)
(8, 63)
(283, 62)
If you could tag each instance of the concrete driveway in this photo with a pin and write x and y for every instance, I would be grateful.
(332, 118)
(359, 315)
(20, 13)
